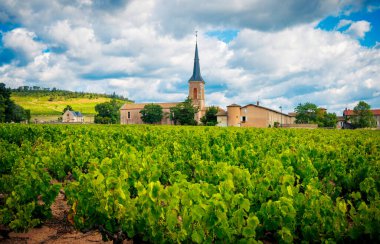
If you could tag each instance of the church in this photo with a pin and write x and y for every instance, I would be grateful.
(130, 112)
(251, 115)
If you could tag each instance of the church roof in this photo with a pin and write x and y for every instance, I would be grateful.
(128, 106)
(196, 70)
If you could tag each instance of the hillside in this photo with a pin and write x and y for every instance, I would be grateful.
(48, 105)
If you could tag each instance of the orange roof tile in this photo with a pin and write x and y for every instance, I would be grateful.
(350, 112)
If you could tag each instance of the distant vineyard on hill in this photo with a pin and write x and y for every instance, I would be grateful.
(50, 103)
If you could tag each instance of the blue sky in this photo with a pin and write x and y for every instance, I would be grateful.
(373, 17)
(282, 53)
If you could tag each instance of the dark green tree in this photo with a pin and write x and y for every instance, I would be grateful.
(183, 113)
(330, 120)
(5, 102)
(306, 113)
(9, 111)
(108, 112)
(18, 113)
(363, 117)
(68, 107)
(210, 116)
(151, 113)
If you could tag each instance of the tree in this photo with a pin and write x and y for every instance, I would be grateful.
(306, 113)
(107, 112)
(9, 110)
(183, 113)
(210, 117)
(309, 113)
(5, 99)
(330, 120)
(68, 107)
(363, 117)
(151, 113)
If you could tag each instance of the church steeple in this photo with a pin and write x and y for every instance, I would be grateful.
(196, 70)
(197, 86)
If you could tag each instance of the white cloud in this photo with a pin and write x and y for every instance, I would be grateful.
(23, 42)
(344, 23)
(358, 29)
(182, 17)
(145, 49)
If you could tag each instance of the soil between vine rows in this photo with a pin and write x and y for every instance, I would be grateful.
(56, 230)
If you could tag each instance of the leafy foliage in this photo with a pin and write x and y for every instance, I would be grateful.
(183, 113)
(108, 113)
(363, 116)
(9, 110)
(309, 113)
(68, 107)
(151, 113)
(306, 113)
(210, 117)
(196, 184)
(60, 95)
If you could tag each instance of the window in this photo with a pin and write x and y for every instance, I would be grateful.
(243, 119)
(195, 93)
(129, 115)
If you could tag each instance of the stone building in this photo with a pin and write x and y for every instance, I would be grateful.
(72, 117)
(252, 115)
(130, 112)
(344, 121)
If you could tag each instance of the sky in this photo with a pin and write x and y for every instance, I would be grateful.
(281, 53)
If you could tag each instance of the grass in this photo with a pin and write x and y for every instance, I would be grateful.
(41, 106)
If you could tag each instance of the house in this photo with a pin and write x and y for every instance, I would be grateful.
(347, 113)
(252, 115)
(130, 112)
(72, 117)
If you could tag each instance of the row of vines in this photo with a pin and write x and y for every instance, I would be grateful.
(194, 184)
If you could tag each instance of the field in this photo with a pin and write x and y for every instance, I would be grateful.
(194, 184)
(44, 110)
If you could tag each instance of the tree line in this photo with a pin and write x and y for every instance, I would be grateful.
(309, 113)
(58, 95)
(9, 110)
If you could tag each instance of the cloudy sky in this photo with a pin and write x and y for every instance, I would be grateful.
(279, 52)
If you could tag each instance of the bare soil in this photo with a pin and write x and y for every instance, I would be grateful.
(56, 230)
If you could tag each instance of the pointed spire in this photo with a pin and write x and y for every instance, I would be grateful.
(196, 70)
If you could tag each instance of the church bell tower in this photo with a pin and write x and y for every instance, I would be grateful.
(197, 86)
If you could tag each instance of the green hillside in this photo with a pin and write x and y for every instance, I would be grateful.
(48, 105)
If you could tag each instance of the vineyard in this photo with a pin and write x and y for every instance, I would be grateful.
(194, 184)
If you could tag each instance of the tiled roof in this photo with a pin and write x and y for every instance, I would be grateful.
(77, 114)
(350, 112)
(258, 106)
(221, 112)
(234, 105)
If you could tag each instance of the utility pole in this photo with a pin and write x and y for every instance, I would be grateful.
(281, 115)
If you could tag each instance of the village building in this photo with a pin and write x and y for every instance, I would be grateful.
(252, 115)
(130, 112)
(72, 117)
(247, 116)
(344, 121)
